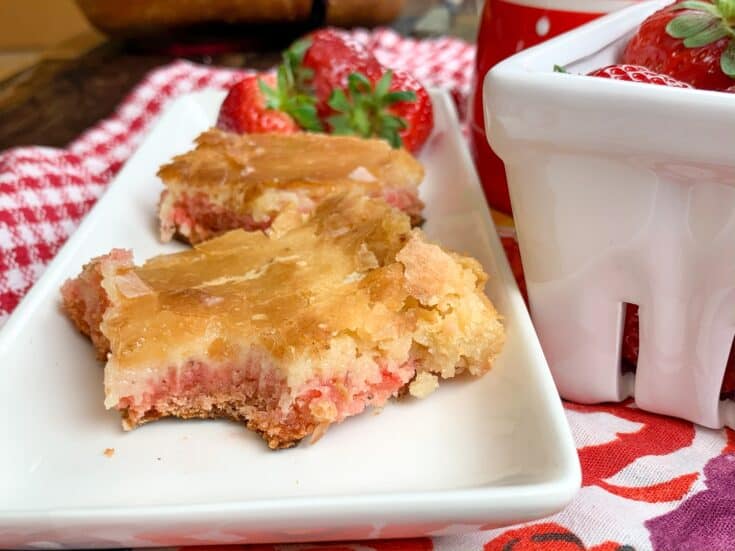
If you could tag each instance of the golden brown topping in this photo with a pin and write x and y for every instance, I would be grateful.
(352, 287)
(283, 160)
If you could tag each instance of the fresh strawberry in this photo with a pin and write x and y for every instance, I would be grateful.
(692, 41)
(728, 382)
(630, 347)
(636, 73)
(394, 107)
(332, 56)
(331, 75)
(273, 103)
(418, 114)
(244, 110)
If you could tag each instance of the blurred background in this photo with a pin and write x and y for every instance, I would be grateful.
(65, 64)
(57, 30)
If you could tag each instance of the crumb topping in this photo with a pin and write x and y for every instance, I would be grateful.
(223, 158)
(423, 384)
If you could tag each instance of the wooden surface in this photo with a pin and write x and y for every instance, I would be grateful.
(59, 97)
(26, 38)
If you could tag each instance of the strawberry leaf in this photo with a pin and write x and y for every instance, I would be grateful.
(560, 69)
(698, 5)
(390, 126)
(706, 23)
(727, 60)
(399, 96)
(340, 125)
(338, 101)
(707, 36)
(383, 85)
(392, 122)
(282, 78)
(293, 59)
(293, 93)
(297, 51)
(306, 117)
(727, 9)
(361, 122)
(357, 83)
(391, 137)
(272, 98)
(690, 24)
(364, 108)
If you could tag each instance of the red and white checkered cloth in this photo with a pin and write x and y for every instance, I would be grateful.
(648, 481)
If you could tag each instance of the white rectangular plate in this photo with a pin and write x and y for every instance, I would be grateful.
(477, 453)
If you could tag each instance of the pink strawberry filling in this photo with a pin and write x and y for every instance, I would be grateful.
(256, 393)
(405, 200)
(85, 302)
(197, 218)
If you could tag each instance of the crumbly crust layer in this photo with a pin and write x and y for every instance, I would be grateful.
(253, 394)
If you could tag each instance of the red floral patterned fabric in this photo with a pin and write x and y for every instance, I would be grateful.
(649, 482)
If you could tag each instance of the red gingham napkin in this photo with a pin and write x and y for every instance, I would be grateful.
(649, 482)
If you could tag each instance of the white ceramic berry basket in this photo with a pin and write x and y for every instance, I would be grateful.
(622, 193)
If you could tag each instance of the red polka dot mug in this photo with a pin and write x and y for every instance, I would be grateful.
(507, 27)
